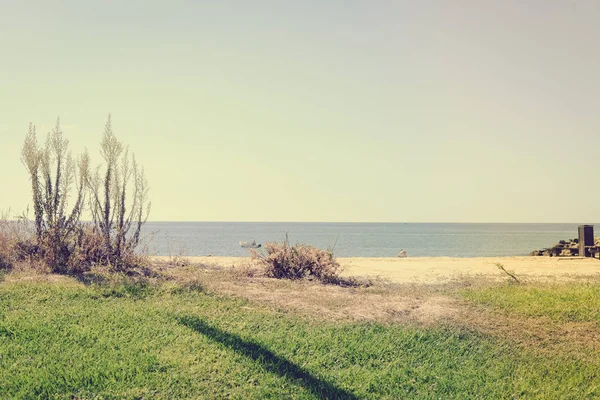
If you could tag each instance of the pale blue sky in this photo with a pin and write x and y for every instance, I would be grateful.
(463, 111)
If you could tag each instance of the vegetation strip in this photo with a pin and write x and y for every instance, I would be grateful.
(62, 339)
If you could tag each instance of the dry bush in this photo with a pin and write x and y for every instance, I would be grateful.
(90, 252)
(16, 240)
(6, 252)
(282, 260)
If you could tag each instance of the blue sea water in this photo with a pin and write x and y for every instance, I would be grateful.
(358, 239)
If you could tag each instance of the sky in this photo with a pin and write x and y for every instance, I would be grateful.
(358, 111)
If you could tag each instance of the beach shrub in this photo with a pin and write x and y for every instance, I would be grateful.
(60, 185)
(53, 172)
(118, 201)
(284, 261)
(90, 251)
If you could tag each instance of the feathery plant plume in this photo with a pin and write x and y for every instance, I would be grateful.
(118, 199)
(31, 158)
(53, 172)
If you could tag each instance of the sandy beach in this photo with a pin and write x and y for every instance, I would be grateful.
(431, 270)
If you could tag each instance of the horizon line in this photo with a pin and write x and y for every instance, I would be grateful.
(353, 222)
(359, 222)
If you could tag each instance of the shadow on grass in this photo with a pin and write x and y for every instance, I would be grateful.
(270, 361)
(347, 282)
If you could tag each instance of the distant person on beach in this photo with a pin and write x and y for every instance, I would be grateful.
(402, 254)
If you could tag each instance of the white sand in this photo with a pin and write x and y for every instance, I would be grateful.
(446, 269)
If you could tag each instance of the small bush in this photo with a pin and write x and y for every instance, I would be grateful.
(15, 237)
(298, 261)
(88, 251)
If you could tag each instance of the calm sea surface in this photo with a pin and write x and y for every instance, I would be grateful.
(358, 239)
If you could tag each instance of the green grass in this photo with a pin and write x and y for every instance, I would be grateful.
(572, 302)
(63, 340)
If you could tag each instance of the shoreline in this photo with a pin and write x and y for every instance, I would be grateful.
(439, 270)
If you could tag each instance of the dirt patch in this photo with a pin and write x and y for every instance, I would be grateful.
(332, 302)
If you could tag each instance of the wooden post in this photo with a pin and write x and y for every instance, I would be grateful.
(586, 238)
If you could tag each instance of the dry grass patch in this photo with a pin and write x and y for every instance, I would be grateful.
(421, 305)
(366, 300)
(578, 340)
(69, 340)
(560, 318)
(34, 276)
(385, 302)
(377, 300)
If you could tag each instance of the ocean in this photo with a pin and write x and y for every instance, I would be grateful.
(357, 239)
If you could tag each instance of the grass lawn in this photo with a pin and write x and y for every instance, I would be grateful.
(578, 302)
(61, 339)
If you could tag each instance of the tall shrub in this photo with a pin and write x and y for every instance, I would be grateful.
(54, 175)
(118, 199)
